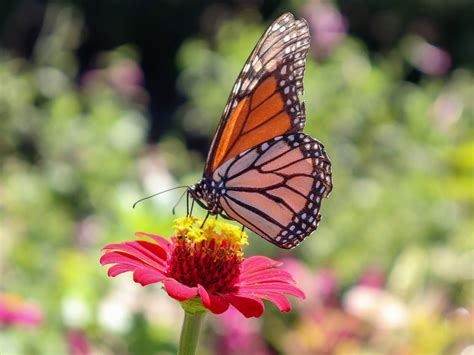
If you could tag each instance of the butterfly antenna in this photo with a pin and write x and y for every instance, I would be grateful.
(158, 193)
(177, 203)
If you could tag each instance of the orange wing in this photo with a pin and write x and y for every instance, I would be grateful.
(275, 189)
(264, 102)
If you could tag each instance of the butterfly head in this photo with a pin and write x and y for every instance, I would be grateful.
(208, 191)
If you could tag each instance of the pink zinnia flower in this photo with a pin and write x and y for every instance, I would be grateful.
(205, 263)
(14, 310)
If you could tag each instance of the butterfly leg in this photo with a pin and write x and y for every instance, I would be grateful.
(205, 219)
(226, 216)
(190, 209)
(188, 212)
(187, 203)
(242, 230)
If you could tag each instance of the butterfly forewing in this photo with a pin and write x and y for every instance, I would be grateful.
(275, 189)
(264, 102)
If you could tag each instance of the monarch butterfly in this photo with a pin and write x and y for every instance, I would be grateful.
(262, 171)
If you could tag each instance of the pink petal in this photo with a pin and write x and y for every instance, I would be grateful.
(279, 287)
(160, 240)
(130, 262)
(138, 250)
(179, 291)
(142, 273)
(215, 303)
(257, 263)
(206, 301)
(152, 250)
(118, 269)
(146, 277)
(249, 306)
(278, 299)
(269, 275)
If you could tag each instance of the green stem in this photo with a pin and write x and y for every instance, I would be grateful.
(190, 331)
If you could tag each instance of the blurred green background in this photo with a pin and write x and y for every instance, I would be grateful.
(103, 103)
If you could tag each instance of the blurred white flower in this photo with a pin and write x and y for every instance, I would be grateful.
(376, 306)
(158, 308)
(114, 317)
(75, 311)
(447, 110)
(116, 310)
(128, 132)
(51, 82)
(468, 350)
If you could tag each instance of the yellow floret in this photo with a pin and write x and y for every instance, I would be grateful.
(213, 229)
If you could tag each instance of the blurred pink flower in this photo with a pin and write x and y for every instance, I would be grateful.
(321, 286)
(14, 310)
(328, 27)
(124, 75)
(127, 76)
(328, 330)
(372, 278)
(237, 336)
(300, 272)
(78, 343)
(327, 287)
(87, 232)
(430, 59)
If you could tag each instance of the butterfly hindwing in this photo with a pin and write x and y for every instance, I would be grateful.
(275, 189)
(264, 102)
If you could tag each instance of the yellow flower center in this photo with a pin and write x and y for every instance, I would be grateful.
(195, 231)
